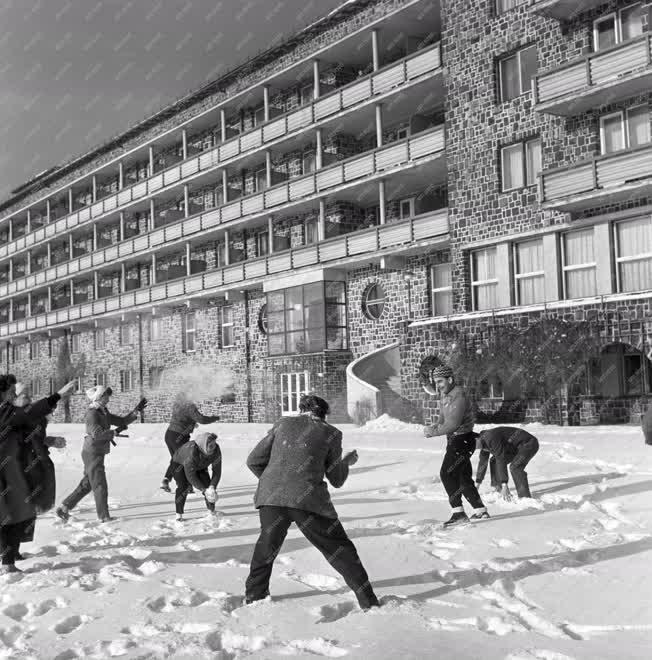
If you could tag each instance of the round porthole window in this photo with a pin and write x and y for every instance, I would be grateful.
(373, 301)
(262, 319)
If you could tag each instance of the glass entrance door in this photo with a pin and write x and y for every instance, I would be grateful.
(292, 387)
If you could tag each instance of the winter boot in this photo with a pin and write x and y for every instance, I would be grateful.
(165, 485)
(179, 517)
(105, 519)
(5, 569)
(458, 518)
(480, 515)
(62, 513)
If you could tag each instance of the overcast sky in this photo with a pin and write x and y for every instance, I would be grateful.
(75, 72)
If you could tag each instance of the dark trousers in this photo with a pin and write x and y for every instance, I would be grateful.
(648, 437)
(184, 487)
(173, 441)
(457, 473)
(10, 540)
(94, 479)
(524, 455)
(326, 534)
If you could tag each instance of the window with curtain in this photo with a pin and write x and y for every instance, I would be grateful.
(515, 73)
(188, 330)
(520, 164)
(625, 129)
(484, 283)
(441, 301)
(618, 26)
(228, 338)
(634, 254)
(579, 264)
(529, 272)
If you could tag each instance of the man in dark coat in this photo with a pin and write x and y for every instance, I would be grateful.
(646, 424)
(185, 418)
(291, 462)
(190, 465)
(506, 444)
(17, 509)
(97, 444)
(455, 421)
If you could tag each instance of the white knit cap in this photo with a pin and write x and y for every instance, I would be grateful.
(20, 388)
(94, 393)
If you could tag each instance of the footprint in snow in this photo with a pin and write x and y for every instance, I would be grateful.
(17, 612)
(330, 613)
(318, 646)
(71, 623)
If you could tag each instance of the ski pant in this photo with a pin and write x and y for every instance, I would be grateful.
(94, 479)
(326, 534)
(11, 537)
(173, 441)
(184, 487)
(457, 472)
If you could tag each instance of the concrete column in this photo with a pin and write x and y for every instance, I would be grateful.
(28, 269)
(504, 275)
(321, 220)
(319, 152)
(382, 202)
(29, 220)
(188, 256)
(227, 251)
(151, 160)
(122, 226)
(123, 277)
(603, 253)
(96, 285)
(186, 200)
(49, 299)
(184, 143)
(94, 237)
(10, 226)
(153, 269)
(268, 168)
(270, 233)
(375, 55)
(551, 278)
(94, 187)
(11, 270)
(379, 125)
(315, 78)
(266, 102)
(11, 311)
(225, 186)
(72, 293)
(70, 201)
(49, 249)
(151, 223)
(70, 246)
(29, 303)
(47, 210)
(223, 124)
(121, 176)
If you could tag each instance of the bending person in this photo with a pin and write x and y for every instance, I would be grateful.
(506, 444)
(291, 462)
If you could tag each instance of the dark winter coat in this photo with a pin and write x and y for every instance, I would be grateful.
(16, 497)
(98, 436)
(646, 419)
(186, 416)
(291, 462)
(502, 443)
(38, 466)
(194, 460)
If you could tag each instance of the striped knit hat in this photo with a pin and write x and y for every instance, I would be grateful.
(442, 371)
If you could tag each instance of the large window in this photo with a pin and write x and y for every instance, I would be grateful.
(35, 350)
(520, 164)
(516, 71)
(625, 129)
(262, 243)
(226, 314)
(75, 343)
(127, 380)
(441, 289)
(100, 379)
(579, 264)
(292, 387)
(307, 318)
(633, 239)
(155, 329)
(529, 272)
(188, 329)
(484, 283)
(618, 26)
(310, 230)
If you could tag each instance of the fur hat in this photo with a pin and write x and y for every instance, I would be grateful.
(442, 371)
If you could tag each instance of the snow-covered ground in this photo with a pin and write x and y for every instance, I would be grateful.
(565, 575)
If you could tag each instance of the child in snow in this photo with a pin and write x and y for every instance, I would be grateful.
(190, 465)
(97, 444)
(291, 462)
(455, 421)
(185, 418)
(506, 444)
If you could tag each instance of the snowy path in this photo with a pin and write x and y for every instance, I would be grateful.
(566, 575)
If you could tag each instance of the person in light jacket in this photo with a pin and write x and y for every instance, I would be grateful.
(291, 462)
(97, 444)
(190, 465)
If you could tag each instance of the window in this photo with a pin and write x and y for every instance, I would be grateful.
(261, 179)
(491, 388)
(310, 230)
(403, 133)
(21, 352)
(127, 380)
(309, 162)
(373, 301)
(220, 254)
(262, 319)
(441, 289)
(155, 329)
(617, 27)
(100, 339)
(36, 388)
(579, 265)
(484, 282)
(306, 93)
(75, 343)
(406, 208)
(78, 385)
(262, 243)
(633, 240)
(625, 129)
(529, 275)
(34, 350)
(633, 372)
(292, 387)
(226, 314)
(259, 115)
(505, 5)
(515, 73)
(188, 329)
(520, 164)
(125, 335)
(100, 379)
(155, 377)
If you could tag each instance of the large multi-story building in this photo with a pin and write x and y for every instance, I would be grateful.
(313, 218)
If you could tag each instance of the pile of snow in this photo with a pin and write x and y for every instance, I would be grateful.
(385, 423)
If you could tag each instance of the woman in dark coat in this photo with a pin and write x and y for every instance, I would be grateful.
(17, 509)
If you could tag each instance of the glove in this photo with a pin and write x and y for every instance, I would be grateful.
(141, 405)
(59, 442)
(211, 495)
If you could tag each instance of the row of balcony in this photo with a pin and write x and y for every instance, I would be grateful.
(352, 248)
(395, 157)
(388, 80)
(563, 10)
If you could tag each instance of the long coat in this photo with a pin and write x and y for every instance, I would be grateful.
(291, 462)
(38, 466)
(16, 496)
(97, 440)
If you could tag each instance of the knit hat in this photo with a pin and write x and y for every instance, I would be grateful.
(20, 388)
(94, 393)
(442, 371)
(202, 439)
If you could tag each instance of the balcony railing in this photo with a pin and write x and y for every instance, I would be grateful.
(598, 78)
(395, 156)
(611, 177)
(387, 237)
(563, 10)
(381, 82)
